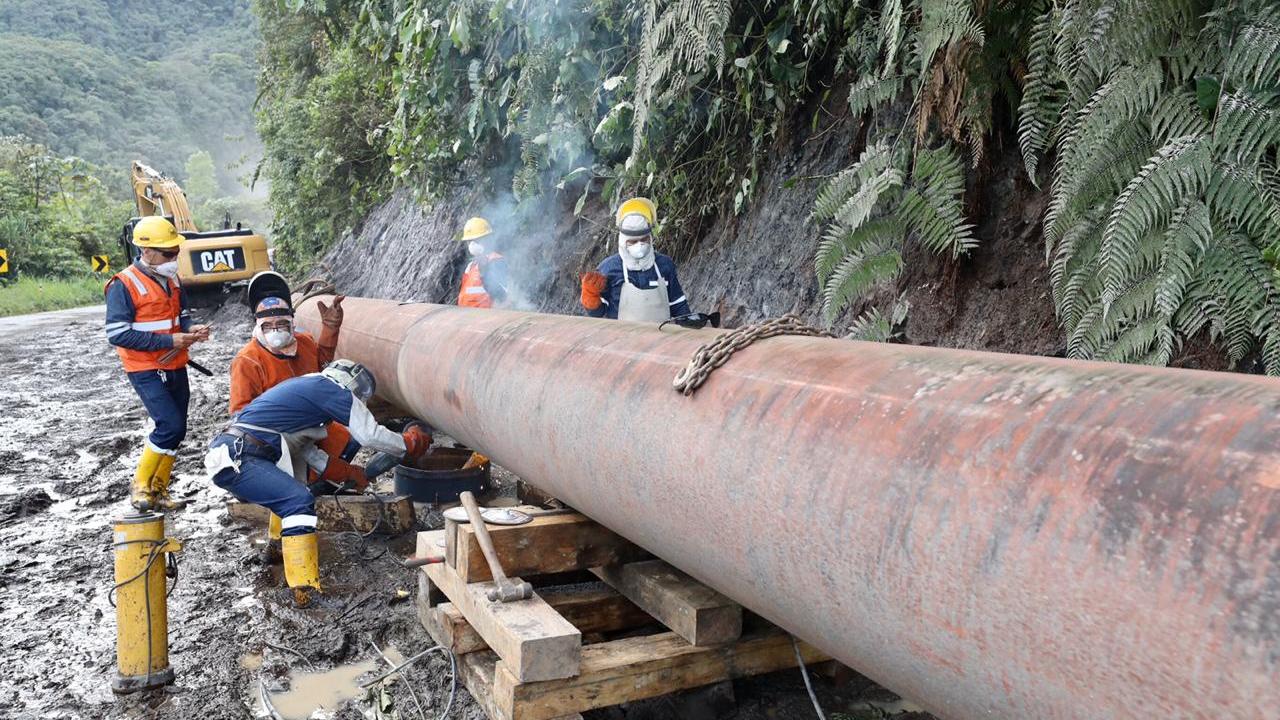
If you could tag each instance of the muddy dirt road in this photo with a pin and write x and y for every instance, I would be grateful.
(70, 433)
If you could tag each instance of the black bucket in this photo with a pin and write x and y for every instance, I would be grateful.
(439, 478)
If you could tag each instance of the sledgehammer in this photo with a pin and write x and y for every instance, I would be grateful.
(503, 589)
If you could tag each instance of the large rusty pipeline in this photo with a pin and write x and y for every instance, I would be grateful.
(992, 536)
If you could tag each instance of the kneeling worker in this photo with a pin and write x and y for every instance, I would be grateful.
(637, 283)
(148, 323)
(484, 283)
(279, 351)
(262, 457)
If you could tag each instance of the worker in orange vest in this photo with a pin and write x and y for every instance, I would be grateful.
(148, 323)
(484, 283)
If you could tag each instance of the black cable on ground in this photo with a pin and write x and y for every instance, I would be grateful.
(286, 648)
(804, 673)
(363, 537)
(413, 693)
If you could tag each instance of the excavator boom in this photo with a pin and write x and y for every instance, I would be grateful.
(155, 194)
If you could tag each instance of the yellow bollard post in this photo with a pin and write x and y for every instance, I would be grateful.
(142, 620)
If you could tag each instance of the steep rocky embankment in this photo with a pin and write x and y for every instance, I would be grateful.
(750, 266)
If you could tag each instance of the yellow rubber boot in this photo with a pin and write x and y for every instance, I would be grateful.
(160, 486)
(141, 494)
(271, 551)
(301, 566)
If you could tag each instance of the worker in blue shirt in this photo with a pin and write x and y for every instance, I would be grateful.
(148, 324)
(262, 457)
(637, 283)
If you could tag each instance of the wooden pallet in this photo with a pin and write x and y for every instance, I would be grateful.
(630, 629)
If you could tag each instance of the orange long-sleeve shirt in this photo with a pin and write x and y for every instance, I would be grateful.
(256, 369)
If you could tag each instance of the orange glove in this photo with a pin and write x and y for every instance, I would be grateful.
(339, 471)
(331, 315)
(593, 284)
(416, 441)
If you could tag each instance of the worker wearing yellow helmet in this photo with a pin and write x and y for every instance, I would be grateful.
(484, 282)
(637, 283)
(148, 323)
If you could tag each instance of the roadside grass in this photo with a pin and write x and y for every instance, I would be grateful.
(30, 295)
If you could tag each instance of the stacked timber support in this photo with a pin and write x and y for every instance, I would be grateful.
(625, 627)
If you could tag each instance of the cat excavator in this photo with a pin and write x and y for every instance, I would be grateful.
(211, 263)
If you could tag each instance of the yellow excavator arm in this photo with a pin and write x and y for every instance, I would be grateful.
(208, 262)
(156, 194)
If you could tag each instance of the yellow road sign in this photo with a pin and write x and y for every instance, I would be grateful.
(4, 260)
(100, 263)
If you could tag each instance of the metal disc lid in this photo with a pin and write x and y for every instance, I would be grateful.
(492, 516)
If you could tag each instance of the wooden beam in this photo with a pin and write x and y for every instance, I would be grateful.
(529, 635)
(593, 609)
(360, 513)
(477, 675)
(690, 609)
(627, 670)
(549, 543)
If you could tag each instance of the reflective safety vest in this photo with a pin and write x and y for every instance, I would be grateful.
(155, 311)
(473, 293)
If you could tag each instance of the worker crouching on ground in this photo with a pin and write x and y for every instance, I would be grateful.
(263, 456)
(279, 351)
(148, 323)
(637, 283)
(484, 282)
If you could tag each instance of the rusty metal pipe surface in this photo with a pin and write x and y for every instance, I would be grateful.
(992, 536)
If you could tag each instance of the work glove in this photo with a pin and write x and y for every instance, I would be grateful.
(416, 442)
(593, 284)
(339, 471)
(331, 315)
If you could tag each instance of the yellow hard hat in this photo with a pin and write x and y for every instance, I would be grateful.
(638, 205)
(155, 232)
(476, 228)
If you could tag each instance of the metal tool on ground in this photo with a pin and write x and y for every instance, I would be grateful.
(503, 589)
(143, 559)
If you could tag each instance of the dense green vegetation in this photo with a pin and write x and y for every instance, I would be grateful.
(55, 213)
(88, 86)
(29, 295)
(111, 82)
(1153, 127)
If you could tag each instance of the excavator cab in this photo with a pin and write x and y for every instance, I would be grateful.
(210, 264)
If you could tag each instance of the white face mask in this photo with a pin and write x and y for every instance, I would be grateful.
(277, 339)
(638, 250)
(475, 248)
(168, 269)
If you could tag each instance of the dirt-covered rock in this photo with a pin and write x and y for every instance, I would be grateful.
(749, 266)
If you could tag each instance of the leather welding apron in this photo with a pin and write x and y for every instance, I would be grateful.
(641, 304)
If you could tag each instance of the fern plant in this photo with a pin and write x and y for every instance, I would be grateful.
(934, 48)
(871, 208)
(1164, 125)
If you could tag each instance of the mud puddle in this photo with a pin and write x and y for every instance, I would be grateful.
(326, 690)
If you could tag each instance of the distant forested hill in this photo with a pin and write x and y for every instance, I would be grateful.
(112, 81)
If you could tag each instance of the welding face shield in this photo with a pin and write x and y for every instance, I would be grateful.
(353, 376)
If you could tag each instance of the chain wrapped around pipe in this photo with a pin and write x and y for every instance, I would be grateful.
(712, 355)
